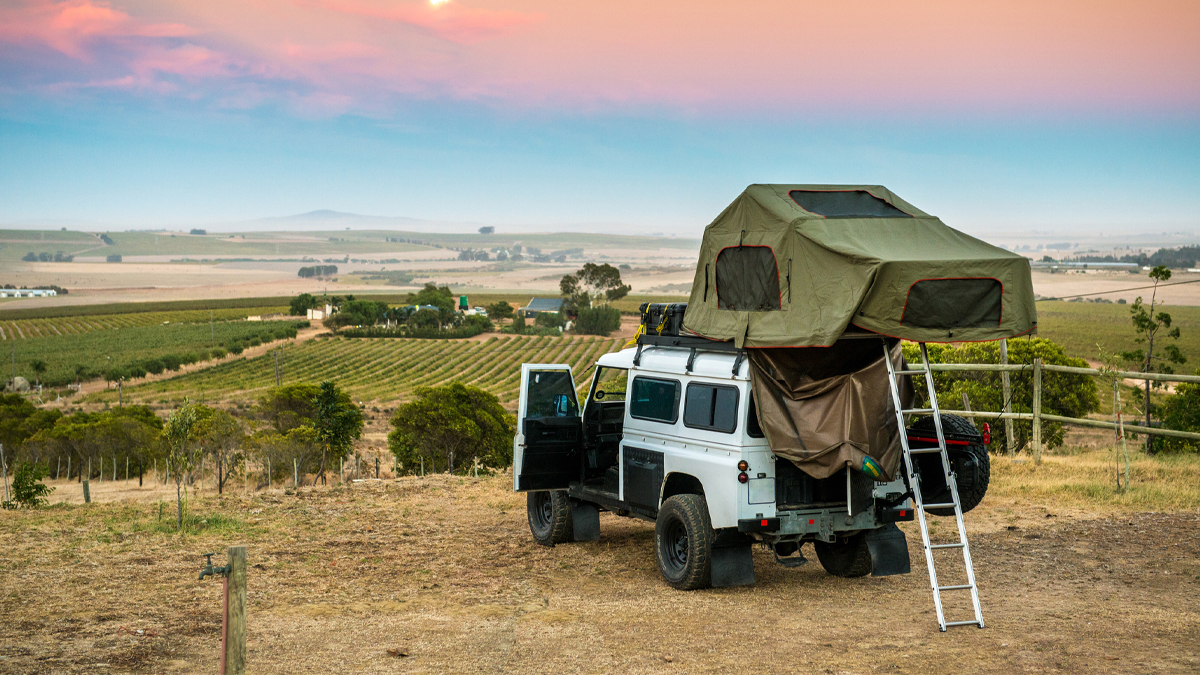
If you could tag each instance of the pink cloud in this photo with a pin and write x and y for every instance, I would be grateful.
(74, 27)
(449, 20)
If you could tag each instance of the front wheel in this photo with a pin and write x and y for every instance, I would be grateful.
(847, 557)
(683, 540)
(550, 518)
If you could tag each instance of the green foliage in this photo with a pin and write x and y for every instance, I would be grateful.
(289, 406)
(593, 285)
(597, 321)
(20, 419)
(500, 310)
(1063, 394)
(1181, 411)
(182, 449)
(431, 294)
(221, 436)
(518, 323)
(359, 313)
(549, 320)
(451, 427)
(338, 422)
(300, 304)
(27, 487)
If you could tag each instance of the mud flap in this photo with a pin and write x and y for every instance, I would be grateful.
(889, 551)
(732, 566)
(585, 517)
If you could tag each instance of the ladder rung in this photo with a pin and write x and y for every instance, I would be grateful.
(940, 506)
(917, 411)
(920, 371)
(960, 587)
(962, 623)
(958, 545)
(925, 451)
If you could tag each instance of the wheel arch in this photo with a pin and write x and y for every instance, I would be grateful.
(679, 483)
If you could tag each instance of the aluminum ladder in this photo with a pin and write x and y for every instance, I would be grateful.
(915, 483)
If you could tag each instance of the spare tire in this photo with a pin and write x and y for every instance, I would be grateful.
(970, 463)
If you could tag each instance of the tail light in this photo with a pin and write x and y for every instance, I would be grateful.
(987, 434)
(743, 465)
(743, 477)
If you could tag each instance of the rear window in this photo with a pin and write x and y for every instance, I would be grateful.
(747, 279)
(953, 303)
(711, 407)
(654, 399)
(845, 204)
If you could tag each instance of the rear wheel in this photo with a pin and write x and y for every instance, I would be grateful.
(550, 518)
(846, 557)
(683, 539)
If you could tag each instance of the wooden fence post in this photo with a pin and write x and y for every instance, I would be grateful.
(101, 476)
(1006, 384)
(234, 658)
(1037, 411)
(3, 462)
(87, 493)
(295, 473)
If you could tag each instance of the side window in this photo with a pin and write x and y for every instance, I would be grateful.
(752, 427)
(551, 394)
(655, 399)
(711, 407)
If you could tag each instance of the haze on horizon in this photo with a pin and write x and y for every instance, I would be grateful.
(535, 115)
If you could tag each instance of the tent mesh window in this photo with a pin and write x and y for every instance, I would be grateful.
(953, 303)
(748, 279)
(845, 204)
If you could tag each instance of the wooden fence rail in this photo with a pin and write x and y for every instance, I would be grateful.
(1036, 417)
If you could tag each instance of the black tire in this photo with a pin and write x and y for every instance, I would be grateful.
(550, 518)
(847, 557)
(683, 541)
(971, 465)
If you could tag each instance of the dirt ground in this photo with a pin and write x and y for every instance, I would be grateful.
(443, 571)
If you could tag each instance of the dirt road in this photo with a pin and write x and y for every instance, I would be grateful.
(443, 569)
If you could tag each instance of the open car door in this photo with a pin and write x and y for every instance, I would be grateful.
(547, 449)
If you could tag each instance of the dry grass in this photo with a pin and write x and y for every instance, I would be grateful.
(443, 569)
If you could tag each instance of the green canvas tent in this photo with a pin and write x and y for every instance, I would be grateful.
(797, 265)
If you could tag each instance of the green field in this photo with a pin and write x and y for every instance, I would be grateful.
(120, 347)
(74, 325)
(1083, 328)
(379, 369)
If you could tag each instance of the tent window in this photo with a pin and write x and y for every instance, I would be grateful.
(845, 204)
(747, 279)
(953, 303)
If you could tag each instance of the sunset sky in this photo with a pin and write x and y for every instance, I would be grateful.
(1019, 114)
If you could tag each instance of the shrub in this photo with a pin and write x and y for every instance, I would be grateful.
(115, 257)
(236, 348)
(27, 487)
(598, 321)
(254, 341)
(217, 353)
(549, 320)
(451, 427)
(1181, 412)
(171, 362)
(188, 358)
(154, 366)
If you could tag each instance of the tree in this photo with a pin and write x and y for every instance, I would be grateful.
(1147, 324)
(452, 425)
(20, 420)
(487, 229)
(597, 321)
(338, 422)
(1063, 394)
(221, 436)
(27, 486)
(38, 367)
(359, 313)
(1181, 411)
(424, 318)
(300, 304)
(289, 406)
(593, 284)
(114, 257)
(500, 310)
(182, 451)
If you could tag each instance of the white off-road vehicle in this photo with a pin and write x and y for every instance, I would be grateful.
(668, 433)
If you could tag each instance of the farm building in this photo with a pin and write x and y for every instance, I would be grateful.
(320, 313)
(538, 305)
(27, 292)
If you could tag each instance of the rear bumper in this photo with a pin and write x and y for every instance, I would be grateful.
(758, 525)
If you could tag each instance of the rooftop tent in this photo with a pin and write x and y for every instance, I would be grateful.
(797, 265)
